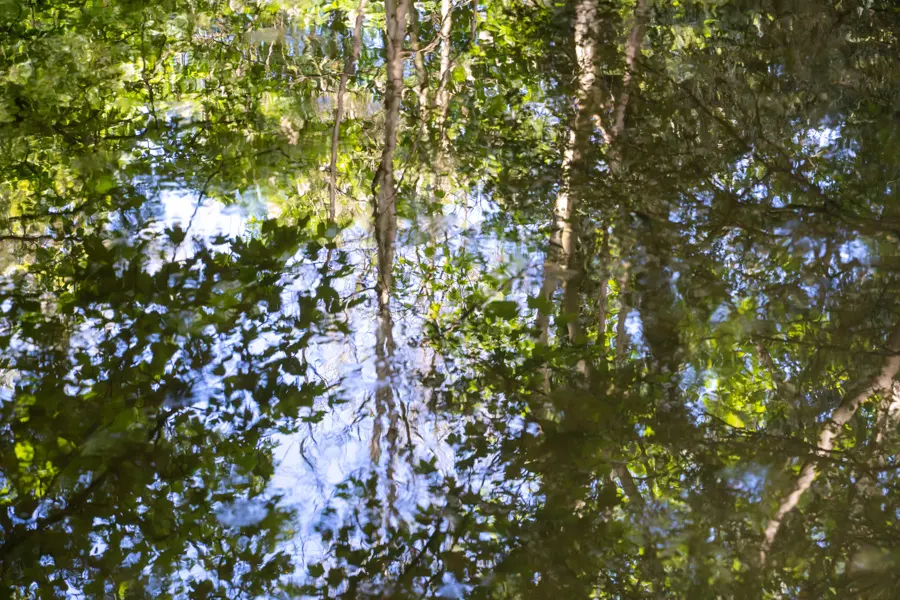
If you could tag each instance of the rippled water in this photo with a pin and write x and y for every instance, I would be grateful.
(483, 299)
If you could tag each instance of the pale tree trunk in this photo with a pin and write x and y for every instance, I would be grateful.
(385, 406)
(632, 49)
(421, 88)
(613, 139)
(442, 98)
(349, 71)
(560, 263)
(419, 62)
(384, 185)
(385, 396)
(562, 238)
(603, 292)
(385, 193)
(883, 381)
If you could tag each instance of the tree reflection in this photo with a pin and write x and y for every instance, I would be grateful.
(632, 264)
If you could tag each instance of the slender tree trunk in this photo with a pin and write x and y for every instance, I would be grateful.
(419, 62)
(349, 71)
(622, 318)
(384, 185)
(385, 192)
(603, 291)
(632, 49)
(385, 380)
(560, 264)
(562, 238)
(442, 98)
(882, 381)
(613, 138)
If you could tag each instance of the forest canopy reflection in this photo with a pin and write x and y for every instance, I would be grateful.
(488, 299)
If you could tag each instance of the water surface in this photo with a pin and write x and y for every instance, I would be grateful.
(492, 299)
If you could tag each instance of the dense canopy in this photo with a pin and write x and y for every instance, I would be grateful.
(453, 298)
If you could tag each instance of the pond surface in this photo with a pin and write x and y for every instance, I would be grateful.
(489, 299)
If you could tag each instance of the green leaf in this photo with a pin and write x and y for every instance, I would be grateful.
(731, 418)
(24, 451)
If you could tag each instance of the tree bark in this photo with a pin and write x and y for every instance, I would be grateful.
(383, 184)
(603, 292)
(632, 49)
(419, 62)
(384, 189)
(442, 98)
(562, 238)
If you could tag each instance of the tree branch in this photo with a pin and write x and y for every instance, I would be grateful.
(882, 381)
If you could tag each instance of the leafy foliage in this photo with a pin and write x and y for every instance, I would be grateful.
(730, 170)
